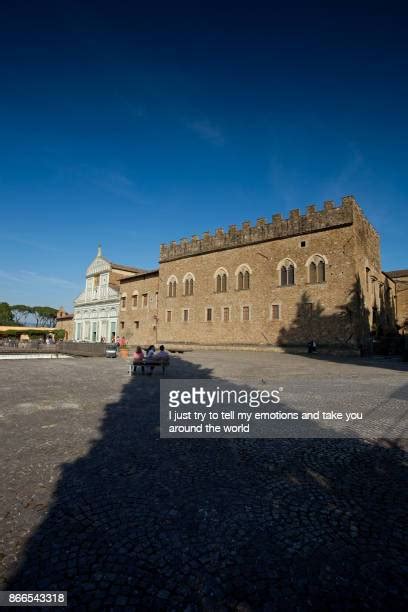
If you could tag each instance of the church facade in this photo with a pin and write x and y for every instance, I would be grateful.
(281, 282)
(96, 308)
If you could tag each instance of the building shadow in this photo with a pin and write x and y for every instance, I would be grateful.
(352, 331)
(143, 523)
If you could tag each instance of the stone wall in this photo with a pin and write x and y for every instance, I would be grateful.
(307, 310)
(65, 321)
(67, 324)
(401, 287)
(137, 320)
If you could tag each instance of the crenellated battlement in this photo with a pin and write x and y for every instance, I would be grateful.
(314, 220)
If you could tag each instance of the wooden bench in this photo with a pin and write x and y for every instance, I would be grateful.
(162, 363)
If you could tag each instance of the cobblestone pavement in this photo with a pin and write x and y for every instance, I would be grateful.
(93, 502)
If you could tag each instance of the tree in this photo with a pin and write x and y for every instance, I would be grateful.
(20, 313)
(45, 316)
(59, 334)
(6, 315)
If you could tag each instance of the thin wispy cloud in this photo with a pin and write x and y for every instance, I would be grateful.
(10, 277)
(83, 176)
(289, 185)
(119, 185)
(39, 245)
(33, 278)
(207, 131)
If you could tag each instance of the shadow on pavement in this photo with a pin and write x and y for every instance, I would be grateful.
(146, 523)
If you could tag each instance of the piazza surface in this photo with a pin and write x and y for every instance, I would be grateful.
(95, 503)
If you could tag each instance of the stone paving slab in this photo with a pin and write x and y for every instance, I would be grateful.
(92, 501)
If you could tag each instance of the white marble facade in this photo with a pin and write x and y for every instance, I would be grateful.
(96, 308)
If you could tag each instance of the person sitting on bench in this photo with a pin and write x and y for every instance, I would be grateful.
(150, 358)
(161, 354)
(138, 357)
(161, 357)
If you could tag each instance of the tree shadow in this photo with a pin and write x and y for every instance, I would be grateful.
(349, 330)
(189, 524)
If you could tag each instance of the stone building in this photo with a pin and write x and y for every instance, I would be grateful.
(313, 276)
(96, 308)
(400, 278)
(284, 282)
(65, 320)
(139, 308)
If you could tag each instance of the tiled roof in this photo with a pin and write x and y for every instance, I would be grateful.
(140, 273)
(127, 268)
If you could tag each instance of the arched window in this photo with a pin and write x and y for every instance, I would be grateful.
(286, 270)
(317, 268)
(191, 286)
(221, 281)
(188, 284)
(312, 272)
(172, 286)
(321, 272)
(243, 274)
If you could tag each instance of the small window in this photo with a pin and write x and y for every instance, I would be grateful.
(144, 300)
(209, 314)
(136, 324)
(226, 314)
(134, 301)
(122, 325)
(157, 298)
(185, 315)
(123, 301)
(168, 316)
(245, 313)
(275, 312)
(303, 243)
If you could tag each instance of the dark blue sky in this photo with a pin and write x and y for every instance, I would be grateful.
(131, 126)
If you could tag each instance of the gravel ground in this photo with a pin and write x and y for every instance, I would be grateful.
(93, 502)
